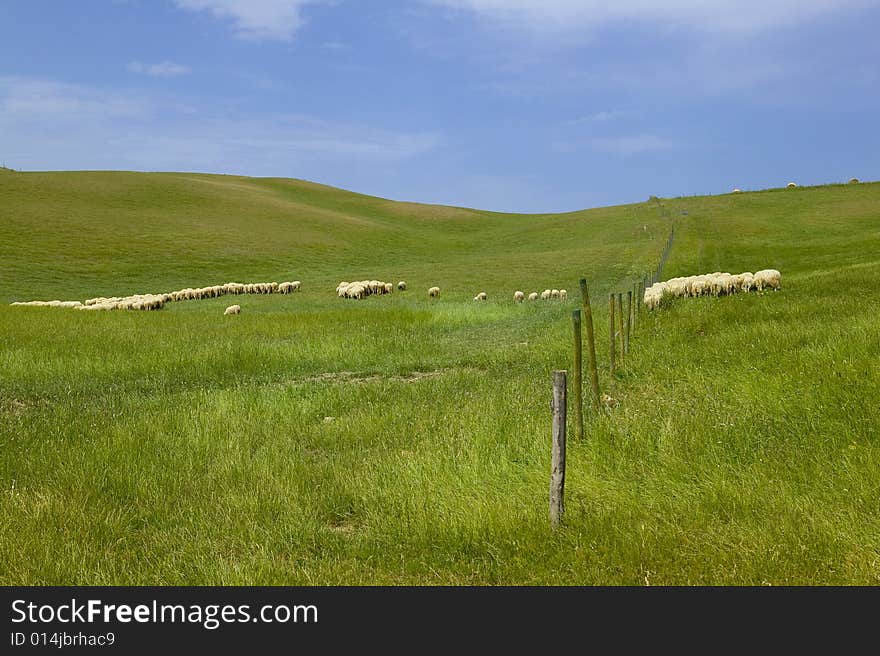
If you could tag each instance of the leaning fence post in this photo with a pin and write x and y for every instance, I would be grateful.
(634, 313)
(591, 343)
(629, 318)
(557, 469)
(622, 332)
(612, 323)
(576, 376)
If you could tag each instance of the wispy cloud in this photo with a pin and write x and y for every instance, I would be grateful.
(25, 101)
(719, 16)
(604, 116)
(255, 19)
(73, 126)
(162, 69)
(631, 144)
(621, 145)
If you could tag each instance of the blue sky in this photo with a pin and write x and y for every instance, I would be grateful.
(512, 105)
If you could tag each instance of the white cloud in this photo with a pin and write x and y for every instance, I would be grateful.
(718, 16)
(162, 69)
(255, 19)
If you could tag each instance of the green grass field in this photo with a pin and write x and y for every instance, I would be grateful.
(400, 440)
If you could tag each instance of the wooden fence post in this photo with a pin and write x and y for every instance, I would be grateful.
(577, 379)
(622, 332)
(557, 469)
(634, 314)
(629, 318)
(591, 344)
(613, 326)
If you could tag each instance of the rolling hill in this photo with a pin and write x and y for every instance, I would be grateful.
(315, 440)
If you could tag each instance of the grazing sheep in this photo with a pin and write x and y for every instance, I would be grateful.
(737, 191)
(791, 185)
(481, 296)
(434, 292)
(401, 286)
(563, 295)
(518, 297)
(232, 309)
(363, 288)
(545, 294)
(767, 278)
(533, 296)
(554, 293)
(714, 284)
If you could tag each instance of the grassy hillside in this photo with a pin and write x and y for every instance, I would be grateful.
(313, 440)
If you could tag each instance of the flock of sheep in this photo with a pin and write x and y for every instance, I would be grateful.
(519, 297)
(158, 301)
(714, 284)
(363, 288)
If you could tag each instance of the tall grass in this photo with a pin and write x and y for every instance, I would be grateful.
(313, 440)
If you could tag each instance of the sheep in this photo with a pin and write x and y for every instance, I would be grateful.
(767, 278)
(363, 288)
(554, 293)
(737, 191)
(563, 295)
(742, 282)
(715, 284)
(518, 297)
(481, 296)
(546, 294)
(854, 181)
(434, 292)
(232, 309)
(791, 185)
(533, 296)
(401, 286)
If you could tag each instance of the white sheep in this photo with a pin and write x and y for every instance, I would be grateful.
(716, 284)
(854, 181)
(518, 297)
(401, 286)
(554, 293)
(563, 295)
(232, 309)
(767, 278)
(533, 296)
(737, 191)
(434, 292)
(791, 185)
(546, 294)
(481, 296)
(389, 288)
